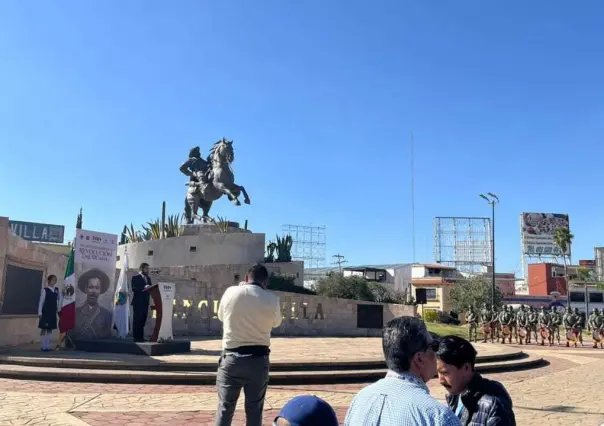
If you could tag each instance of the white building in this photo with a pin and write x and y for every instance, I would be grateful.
(398, 275)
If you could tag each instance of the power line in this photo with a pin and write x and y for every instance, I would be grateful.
(339, 261)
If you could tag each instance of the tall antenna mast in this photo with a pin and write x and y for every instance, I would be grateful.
(413, 196)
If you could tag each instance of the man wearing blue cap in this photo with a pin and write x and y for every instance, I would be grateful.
(306, 410)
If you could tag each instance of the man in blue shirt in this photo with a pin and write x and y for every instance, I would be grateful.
(402, 397)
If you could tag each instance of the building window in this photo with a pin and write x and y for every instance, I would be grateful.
(431, 294)
(430, 272)
(557, 273)
(577, 296)
(596, 298)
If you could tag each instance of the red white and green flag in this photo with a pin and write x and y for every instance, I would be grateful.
(67, 312)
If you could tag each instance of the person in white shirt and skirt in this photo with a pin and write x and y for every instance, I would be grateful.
(47, 312)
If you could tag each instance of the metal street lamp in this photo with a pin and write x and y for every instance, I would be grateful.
(492, 199)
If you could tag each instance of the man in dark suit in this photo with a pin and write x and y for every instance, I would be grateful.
(140, 302)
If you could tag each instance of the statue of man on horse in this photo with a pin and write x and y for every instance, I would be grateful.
(209, 180)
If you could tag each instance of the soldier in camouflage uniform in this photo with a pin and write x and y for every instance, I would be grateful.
(522, 324)
(533, 319)
(555, 322)
(505, 319)
(513, 326)
(578, 321)
(486, 317)
(595, 325)
(495, 326)
(569, 322)
(544, 326)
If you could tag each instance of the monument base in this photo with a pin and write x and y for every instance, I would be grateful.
(134, 348)
(212, 228)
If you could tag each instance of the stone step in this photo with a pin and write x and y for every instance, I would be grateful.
(79, 360)
(23, 372)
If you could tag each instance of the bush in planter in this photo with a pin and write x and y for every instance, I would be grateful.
(431, 316)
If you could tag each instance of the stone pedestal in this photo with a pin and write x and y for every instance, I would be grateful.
(211, 228)
(200, 245)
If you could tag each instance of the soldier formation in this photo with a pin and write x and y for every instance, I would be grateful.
(527, 325)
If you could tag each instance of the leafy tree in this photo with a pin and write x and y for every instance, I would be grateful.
(352, 287)
(384, 294)
(473, 291)
(286, 284)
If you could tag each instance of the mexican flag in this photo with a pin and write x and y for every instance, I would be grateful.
(67, 311)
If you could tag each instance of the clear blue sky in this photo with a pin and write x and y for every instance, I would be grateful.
(101, 101)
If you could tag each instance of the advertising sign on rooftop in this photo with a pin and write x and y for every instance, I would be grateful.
(538, 233)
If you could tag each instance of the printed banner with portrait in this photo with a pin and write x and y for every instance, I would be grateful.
(95, 257)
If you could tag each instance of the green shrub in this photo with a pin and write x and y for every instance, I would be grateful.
(431, 316)
(350, 287)
(286, 284)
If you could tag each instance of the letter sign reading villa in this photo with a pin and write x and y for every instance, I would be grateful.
(40, 232)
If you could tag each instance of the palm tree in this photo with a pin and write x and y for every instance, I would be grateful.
(563, 239)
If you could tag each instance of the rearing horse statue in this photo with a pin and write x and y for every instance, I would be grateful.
(209, 180)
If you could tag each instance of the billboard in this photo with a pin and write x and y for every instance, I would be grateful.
(40, 232)
(588, 264)
(538, 233)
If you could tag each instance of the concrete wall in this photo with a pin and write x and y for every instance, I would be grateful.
(210, 248)
(199, 289)
(20, 329)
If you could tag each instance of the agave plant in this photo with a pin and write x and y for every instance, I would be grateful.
(284, 248)
(130, 235)
(152, 230)
(222, 224)
(173, 226)
(271, 247)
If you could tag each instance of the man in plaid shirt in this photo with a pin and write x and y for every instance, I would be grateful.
(402, 397)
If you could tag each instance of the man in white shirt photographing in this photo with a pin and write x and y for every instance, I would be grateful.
(248, 313)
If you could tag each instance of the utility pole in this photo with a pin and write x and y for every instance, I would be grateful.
(413, 195)
(492, 199)
(339, 261)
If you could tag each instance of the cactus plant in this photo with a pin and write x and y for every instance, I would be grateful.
(271, 247)
(284, 248)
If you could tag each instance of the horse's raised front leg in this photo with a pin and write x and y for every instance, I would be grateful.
(246, 199)
(232, 193)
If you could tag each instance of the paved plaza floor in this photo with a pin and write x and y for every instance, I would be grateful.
(566, 392)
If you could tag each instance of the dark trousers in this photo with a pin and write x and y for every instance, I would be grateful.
(234, 373)
(139, 318)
